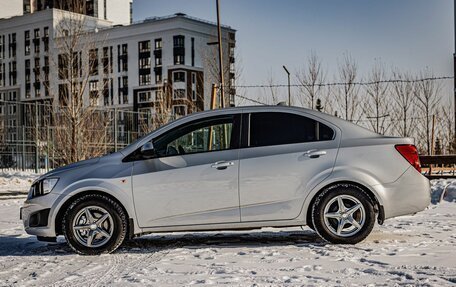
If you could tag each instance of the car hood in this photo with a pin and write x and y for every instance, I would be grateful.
(72, 166)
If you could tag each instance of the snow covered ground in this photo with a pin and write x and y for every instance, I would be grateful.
(415, 250)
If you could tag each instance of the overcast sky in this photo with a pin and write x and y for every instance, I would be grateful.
(409, 34)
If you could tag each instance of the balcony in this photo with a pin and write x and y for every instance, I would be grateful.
(144, 54)
(179, 51)
(158, 53)
(144, 71)
(158, 70)
(123, 91)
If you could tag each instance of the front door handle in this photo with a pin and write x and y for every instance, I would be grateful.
(222, 164)
(314, 153)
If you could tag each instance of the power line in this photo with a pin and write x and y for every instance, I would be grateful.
(251, 100)
(344, 84)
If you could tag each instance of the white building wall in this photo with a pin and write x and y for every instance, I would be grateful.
(10, 8)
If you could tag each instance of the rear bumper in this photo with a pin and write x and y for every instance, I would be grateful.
(409, 194)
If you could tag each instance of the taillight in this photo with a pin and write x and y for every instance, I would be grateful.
(410, 153)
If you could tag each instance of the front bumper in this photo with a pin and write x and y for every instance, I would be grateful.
(37, 214)
(409, 194)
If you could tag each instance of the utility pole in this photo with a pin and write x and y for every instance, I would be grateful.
(220, 50)
(289, 89)
(454, 73)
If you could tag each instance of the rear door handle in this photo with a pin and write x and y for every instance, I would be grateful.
(222, 164)
(314, 153)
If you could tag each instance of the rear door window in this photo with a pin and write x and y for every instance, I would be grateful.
(272, 128)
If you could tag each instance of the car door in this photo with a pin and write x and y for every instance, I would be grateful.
(192, 177)
(284, 157)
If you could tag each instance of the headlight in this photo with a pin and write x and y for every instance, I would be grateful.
(42, 187)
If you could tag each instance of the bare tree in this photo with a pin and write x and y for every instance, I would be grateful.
(403, 104)
(80, 128)
(427, 100)
(376, 104)
(446, 127)
(271, 91)
(347, 95)
(310, 78)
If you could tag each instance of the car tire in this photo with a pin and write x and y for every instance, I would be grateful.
(343, 214)
(94, 224)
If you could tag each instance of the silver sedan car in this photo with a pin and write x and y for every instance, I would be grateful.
(238, 168)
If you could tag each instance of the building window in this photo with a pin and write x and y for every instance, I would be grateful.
(2, 46)
(36, 40)
(12, 45)
(145, 115)
(144, 80)
(63, 66)
(13, 73)
(105, 10)
(194, 87)
(179, 60)
(27, 43)
(144, 97)
(131, 12)
(179, 77)
(93, 89)
(2, 73)
(193, 52)
(158, 78)
(179, 41)
(144, 63)
(93, 62)
(179, 94)
(144, 46)
(179, 110)
(158, 62)
(122, 58)
(46, 39)
(158, 44)
(179, 50)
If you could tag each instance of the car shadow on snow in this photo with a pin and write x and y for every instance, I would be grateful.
(222, 240)
(20, 245)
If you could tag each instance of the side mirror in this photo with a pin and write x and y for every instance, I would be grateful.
(147, 149)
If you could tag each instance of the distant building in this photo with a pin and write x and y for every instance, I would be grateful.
(137, 61)
(10, 8)
(116, 11)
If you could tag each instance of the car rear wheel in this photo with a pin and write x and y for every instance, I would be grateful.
(94, 224)
(343, 214)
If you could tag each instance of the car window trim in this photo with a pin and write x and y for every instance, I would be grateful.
(247, 134)
(236, 137)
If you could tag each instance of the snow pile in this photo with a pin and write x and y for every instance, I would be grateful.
(16, 181)
(443, 190)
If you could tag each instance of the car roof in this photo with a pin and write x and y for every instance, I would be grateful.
(348, 130)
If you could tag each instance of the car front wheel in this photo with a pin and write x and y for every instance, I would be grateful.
(343, 214)
(94, 224)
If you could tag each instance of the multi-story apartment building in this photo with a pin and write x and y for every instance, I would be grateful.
(135, 64)
(119, 12)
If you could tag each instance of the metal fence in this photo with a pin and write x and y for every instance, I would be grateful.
(29, 134)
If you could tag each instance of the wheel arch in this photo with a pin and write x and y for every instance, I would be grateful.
(378, 208)
(63, 207)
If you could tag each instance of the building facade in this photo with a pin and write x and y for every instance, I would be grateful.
(133, 67)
